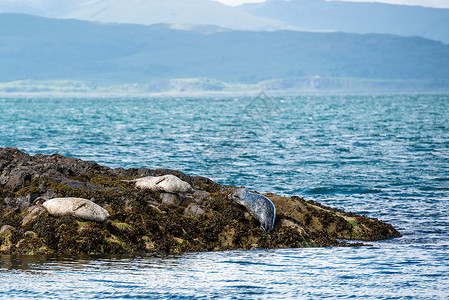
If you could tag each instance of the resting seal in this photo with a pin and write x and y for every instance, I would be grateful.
(164, 184)
(76, 207)
(260, 207)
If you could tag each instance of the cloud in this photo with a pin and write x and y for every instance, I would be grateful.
(238, 2)
(427, 3)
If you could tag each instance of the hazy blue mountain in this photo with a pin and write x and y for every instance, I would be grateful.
(308, 15)
(45, 49)
(432, 23)
(144, 12)
(44, 8)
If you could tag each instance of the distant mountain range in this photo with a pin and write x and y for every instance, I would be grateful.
(357, 17)
(35, 48)
(43, 8)
(308, 15)
(203, 44)
(144, 12)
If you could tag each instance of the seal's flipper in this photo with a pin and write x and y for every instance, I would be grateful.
(160, 180)
(78, 204)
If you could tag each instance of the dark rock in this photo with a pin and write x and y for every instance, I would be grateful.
(4, 179)
(121, 172)
(18, 168)
(6, 238)
(79, 185)
(18, 177)
(171, 200)
(193, 210)
(200, 196)
(19, 204)
(33, 213)
(9, 201)
(141, 172)
(31, 197)
(50, 194)
(6, 228)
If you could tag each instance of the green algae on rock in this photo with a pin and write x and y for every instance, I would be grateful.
(141, 222)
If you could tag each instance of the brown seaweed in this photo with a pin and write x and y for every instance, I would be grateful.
(141, 223)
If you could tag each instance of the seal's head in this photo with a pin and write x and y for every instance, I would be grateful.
(239, 196)
(39, 201)
(259, 206)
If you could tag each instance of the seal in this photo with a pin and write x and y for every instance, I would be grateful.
(260, 207)
(76, 207)
(164, 184)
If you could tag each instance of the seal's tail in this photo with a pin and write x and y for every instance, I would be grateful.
(129, 181)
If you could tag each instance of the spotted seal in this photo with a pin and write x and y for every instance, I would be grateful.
(77, 207)
(260, 207)
(165, 184)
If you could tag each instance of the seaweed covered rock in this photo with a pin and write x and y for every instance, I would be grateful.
(145, 221)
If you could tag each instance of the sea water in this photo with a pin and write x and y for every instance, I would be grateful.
(383, 156)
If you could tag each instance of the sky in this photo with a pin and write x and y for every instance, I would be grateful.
(428, 3)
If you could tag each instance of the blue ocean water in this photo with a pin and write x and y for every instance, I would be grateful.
(384, 156)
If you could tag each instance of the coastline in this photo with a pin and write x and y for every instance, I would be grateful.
(206, 87)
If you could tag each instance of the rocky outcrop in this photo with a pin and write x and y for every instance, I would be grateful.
(144, 221)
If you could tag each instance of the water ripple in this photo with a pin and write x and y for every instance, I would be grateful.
(384, 156)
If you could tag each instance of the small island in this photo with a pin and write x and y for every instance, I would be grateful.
(147, 222)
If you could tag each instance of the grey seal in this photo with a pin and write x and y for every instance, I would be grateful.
(76, 207)
(260, 207)
(165, 184)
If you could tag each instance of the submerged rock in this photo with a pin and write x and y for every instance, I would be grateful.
(145, 221)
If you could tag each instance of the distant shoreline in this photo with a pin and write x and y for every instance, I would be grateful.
(207, 87)
(211, 94)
